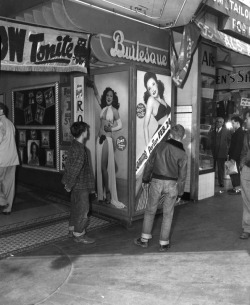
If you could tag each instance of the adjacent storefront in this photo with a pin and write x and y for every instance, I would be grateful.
(218, 84)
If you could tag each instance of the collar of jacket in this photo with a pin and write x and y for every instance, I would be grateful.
(176, 143)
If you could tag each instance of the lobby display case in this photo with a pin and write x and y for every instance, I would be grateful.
(35, 115)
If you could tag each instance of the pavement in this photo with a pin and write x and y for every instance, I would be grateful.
(207, 264)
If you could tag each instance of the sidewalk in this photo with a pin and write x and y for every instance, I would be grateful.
(207, 264)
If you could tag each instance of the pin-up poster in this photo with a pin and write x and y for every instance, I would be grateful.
(111, 96)
(153, 118)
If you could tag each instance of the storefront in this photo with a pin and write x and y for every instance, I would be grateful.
(218, 83)
(45, 98)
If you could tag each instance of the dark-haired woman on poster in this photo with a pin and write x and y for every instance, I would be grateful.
(156, 107)
(105, 158)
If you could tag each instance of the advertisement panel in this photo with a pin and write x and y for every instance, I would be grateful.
(153, 118)
(111, 110)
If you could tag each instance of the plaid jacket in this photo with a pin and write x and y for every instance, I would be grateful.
(78, 173)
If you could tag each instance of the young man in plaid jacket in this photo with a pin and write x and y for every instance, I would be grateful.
(78, 179)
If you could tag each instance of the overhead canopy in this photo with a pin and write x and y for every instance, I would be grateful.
(26, 47)
(209, 31)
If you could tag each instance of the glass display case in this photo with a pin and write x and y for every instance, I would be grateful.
(35, 115)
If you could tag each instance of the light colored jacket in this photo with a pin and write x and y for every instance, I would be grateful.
(8, 151)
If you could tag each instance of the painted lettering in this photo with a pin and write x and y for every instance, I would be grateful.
(13, 41)
(135, 51)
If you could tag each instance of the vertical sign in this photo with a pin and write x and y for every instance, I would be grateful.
(208, 59)
(79, 99)
(63, 157)
(66, 113)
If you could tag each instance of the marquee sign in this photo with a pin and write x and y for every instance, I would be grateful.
(30, 48)
(138, 52)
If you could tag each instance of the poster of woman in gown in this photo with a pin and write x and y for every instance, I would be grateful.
(111, 105)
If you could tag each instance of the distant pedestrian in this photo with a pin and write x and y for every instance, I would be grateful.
(245, 179)
(78, 179)
(234, 152)
(8, 161)
(166, 171)
(220, 141)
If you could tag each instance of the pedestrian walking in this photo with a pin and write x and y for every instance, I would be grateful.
(166, 171)
(234, 153)
(8, 161)
(245, 179)
(220, 141)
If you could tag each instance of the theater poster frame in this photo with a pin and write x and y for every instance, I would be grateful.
(35, 111)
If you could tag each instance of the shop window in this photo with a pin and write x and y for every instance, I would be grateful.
(35, 115)
(207, 111)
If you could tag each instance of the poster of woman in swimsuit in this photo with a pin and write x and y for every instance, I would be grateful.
(111, 98)
(153, 116)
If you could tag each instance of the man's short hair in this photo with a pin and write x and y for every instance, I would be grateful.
(178, 131)
(77, 128)
(236, 118)
(246, 112)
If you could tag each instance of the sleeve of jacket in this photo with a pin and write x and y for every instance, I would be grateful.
(182, 174)
(90, 175)
(73, 166)
(149, 167)
(244, 152)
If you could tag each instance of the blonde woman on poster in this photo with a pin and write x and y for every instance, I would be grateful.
(110, 123)
(156, 108)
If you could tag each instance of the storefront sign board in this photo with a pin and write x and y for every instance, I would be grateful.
(234, 17)
(31, 48)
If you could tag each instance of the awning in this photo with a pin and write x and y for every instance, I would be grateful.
(209, 31)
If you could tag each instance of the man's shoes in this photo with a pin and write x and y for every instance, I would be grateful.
(70, 234)
(139, 242)
(234, 192)
(164, 248)
(244, 235)
(6, 213)
(84, 239)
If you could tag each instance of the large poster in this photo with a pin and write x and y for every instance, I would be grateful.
(153, 118)
(111, 106)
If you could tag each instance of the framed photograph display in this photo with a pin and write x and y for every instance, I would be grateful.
(22, 137)
(50, 157)
(45, 138)
(36, 117)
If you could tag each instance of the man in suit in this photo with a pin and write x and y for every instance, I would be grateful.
(235, 152)
(220, 141)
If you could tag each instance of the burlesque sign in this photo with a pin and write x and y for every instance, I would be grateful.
(138, 52)
(29, 48)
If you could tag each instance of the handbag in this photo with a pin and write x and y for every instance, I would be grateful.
(230, 167)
